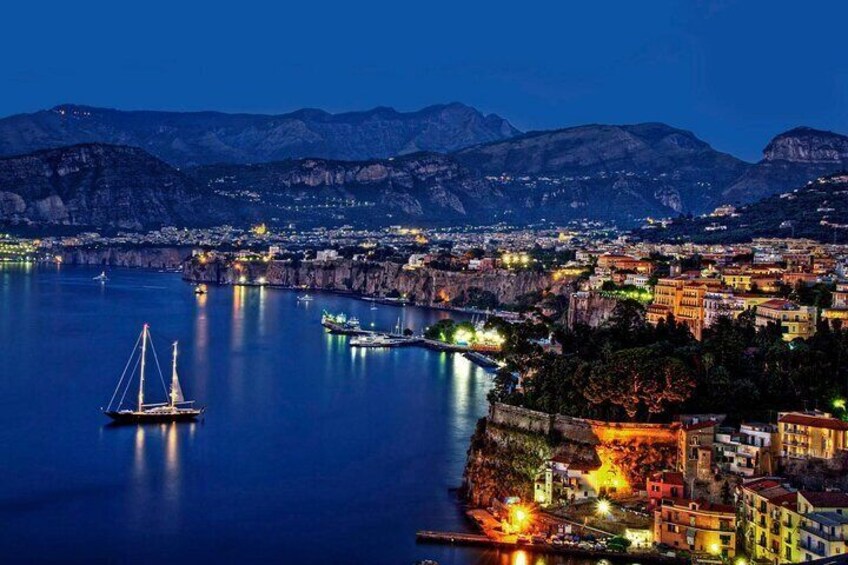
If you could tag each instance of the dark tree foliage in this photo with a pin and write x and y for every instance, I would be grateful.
(630, 370)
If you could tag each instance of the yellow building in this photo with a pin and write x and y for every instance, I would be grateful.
(737, 281)
(696, 526)
(684, 299)
(770, 521)
(811, 435)
(794, 320)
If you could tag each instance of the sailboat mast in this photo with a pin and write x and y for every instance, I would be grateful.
(143, 360)
(174, 377)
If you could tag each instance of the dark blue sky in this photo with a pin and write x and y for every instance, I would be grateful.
(734, 72)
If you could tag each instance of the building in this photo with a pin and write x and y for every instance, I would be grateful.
(823, 534)
(695, 448)
(750, 451)
(696, 526)
(813, 435)
(326, 255)
(564, 479)
(795, 321)
(839, 307)
(770, 520)
(683, 298)
(664, 484)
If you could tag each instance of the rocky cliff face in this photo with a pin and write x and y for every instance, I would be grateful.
(146, 258)
(511, 444)
(808, 145)
(791, 160)
(423, 186)
(589, 308)
(183, 138)
(423, 286)
(98, 185)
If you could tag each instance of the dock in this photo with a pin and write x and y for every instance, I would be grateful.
(480, 540)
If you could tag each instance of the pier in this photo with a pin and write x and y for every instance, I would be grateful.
(513, 543)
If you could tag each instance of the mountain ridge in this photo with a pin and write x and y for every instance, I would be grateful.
(209, 137)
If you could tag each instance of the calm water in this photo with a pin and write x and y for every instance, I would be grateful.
(311, 452)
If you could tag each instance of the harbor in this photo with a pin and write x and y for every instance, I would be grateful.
(341, 324)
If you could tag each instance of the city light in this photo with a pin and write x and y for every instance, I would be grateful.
(603, 508)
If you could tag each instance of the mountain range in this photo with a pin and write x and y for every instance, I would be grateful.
(197, 138)
(446, 164)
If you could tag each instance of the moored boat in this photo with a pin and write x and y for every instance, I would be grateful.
(175, 409)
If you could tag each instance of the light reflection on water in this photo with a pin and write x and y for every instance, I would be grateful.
(310, 449)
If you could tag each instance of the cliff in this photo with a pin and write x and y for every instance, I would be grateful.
(589, 308)
(148, 258)
(99, 185)
(511, 444)
(421, 187)
(790, 160)
(423, 286)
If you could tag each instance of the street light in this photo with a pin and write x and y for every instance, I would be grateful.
(603, 508)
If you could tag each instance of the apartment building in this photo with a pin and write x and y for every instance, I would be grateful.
(816, 435)
(683, 298)
(794, 320)
(750, 451)
(697, 526)
(770, 520)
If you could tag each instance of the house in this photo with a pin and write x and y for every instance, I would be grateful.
(794, 320)
(816, 435)
(696, 526)
(664, 484)
(695, 447)
(749, 451)
(563, 479)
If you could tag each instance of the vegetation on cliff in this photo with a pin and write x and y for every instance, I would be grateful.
(630, 370)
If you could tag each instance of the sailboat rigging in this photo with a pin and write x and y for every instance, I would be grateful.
(177, 408)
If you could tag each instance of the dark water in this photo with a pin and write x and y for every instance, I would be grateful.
(311, 452)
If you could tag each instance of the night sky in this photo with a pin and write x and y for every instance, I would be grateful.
(734, 72)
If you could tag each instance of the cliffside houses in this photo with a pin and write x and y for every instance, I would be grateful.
(815, 435)
(783, 525)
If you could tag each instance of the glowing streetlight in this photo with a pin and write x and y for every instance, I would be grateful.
(603, 508)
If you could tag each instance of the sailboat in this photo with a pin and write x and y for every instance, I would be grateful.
(177, 408)
(101, 277)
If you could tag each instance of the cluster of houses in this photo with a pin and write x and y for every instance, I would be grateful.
(725, 493)
(725, 288)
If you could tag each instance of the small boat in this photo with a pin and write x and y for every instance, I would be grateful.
(176, 409)
(374, 307)
(305, 298)
(200, 289)
(376, 340)
(101, 277)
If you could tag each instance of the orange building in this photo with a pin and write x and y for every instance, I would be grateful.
(696, 526)
(684, 298)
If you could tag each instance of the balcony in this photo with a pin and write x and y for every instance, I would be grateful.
(813, 548)
(812, 530)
